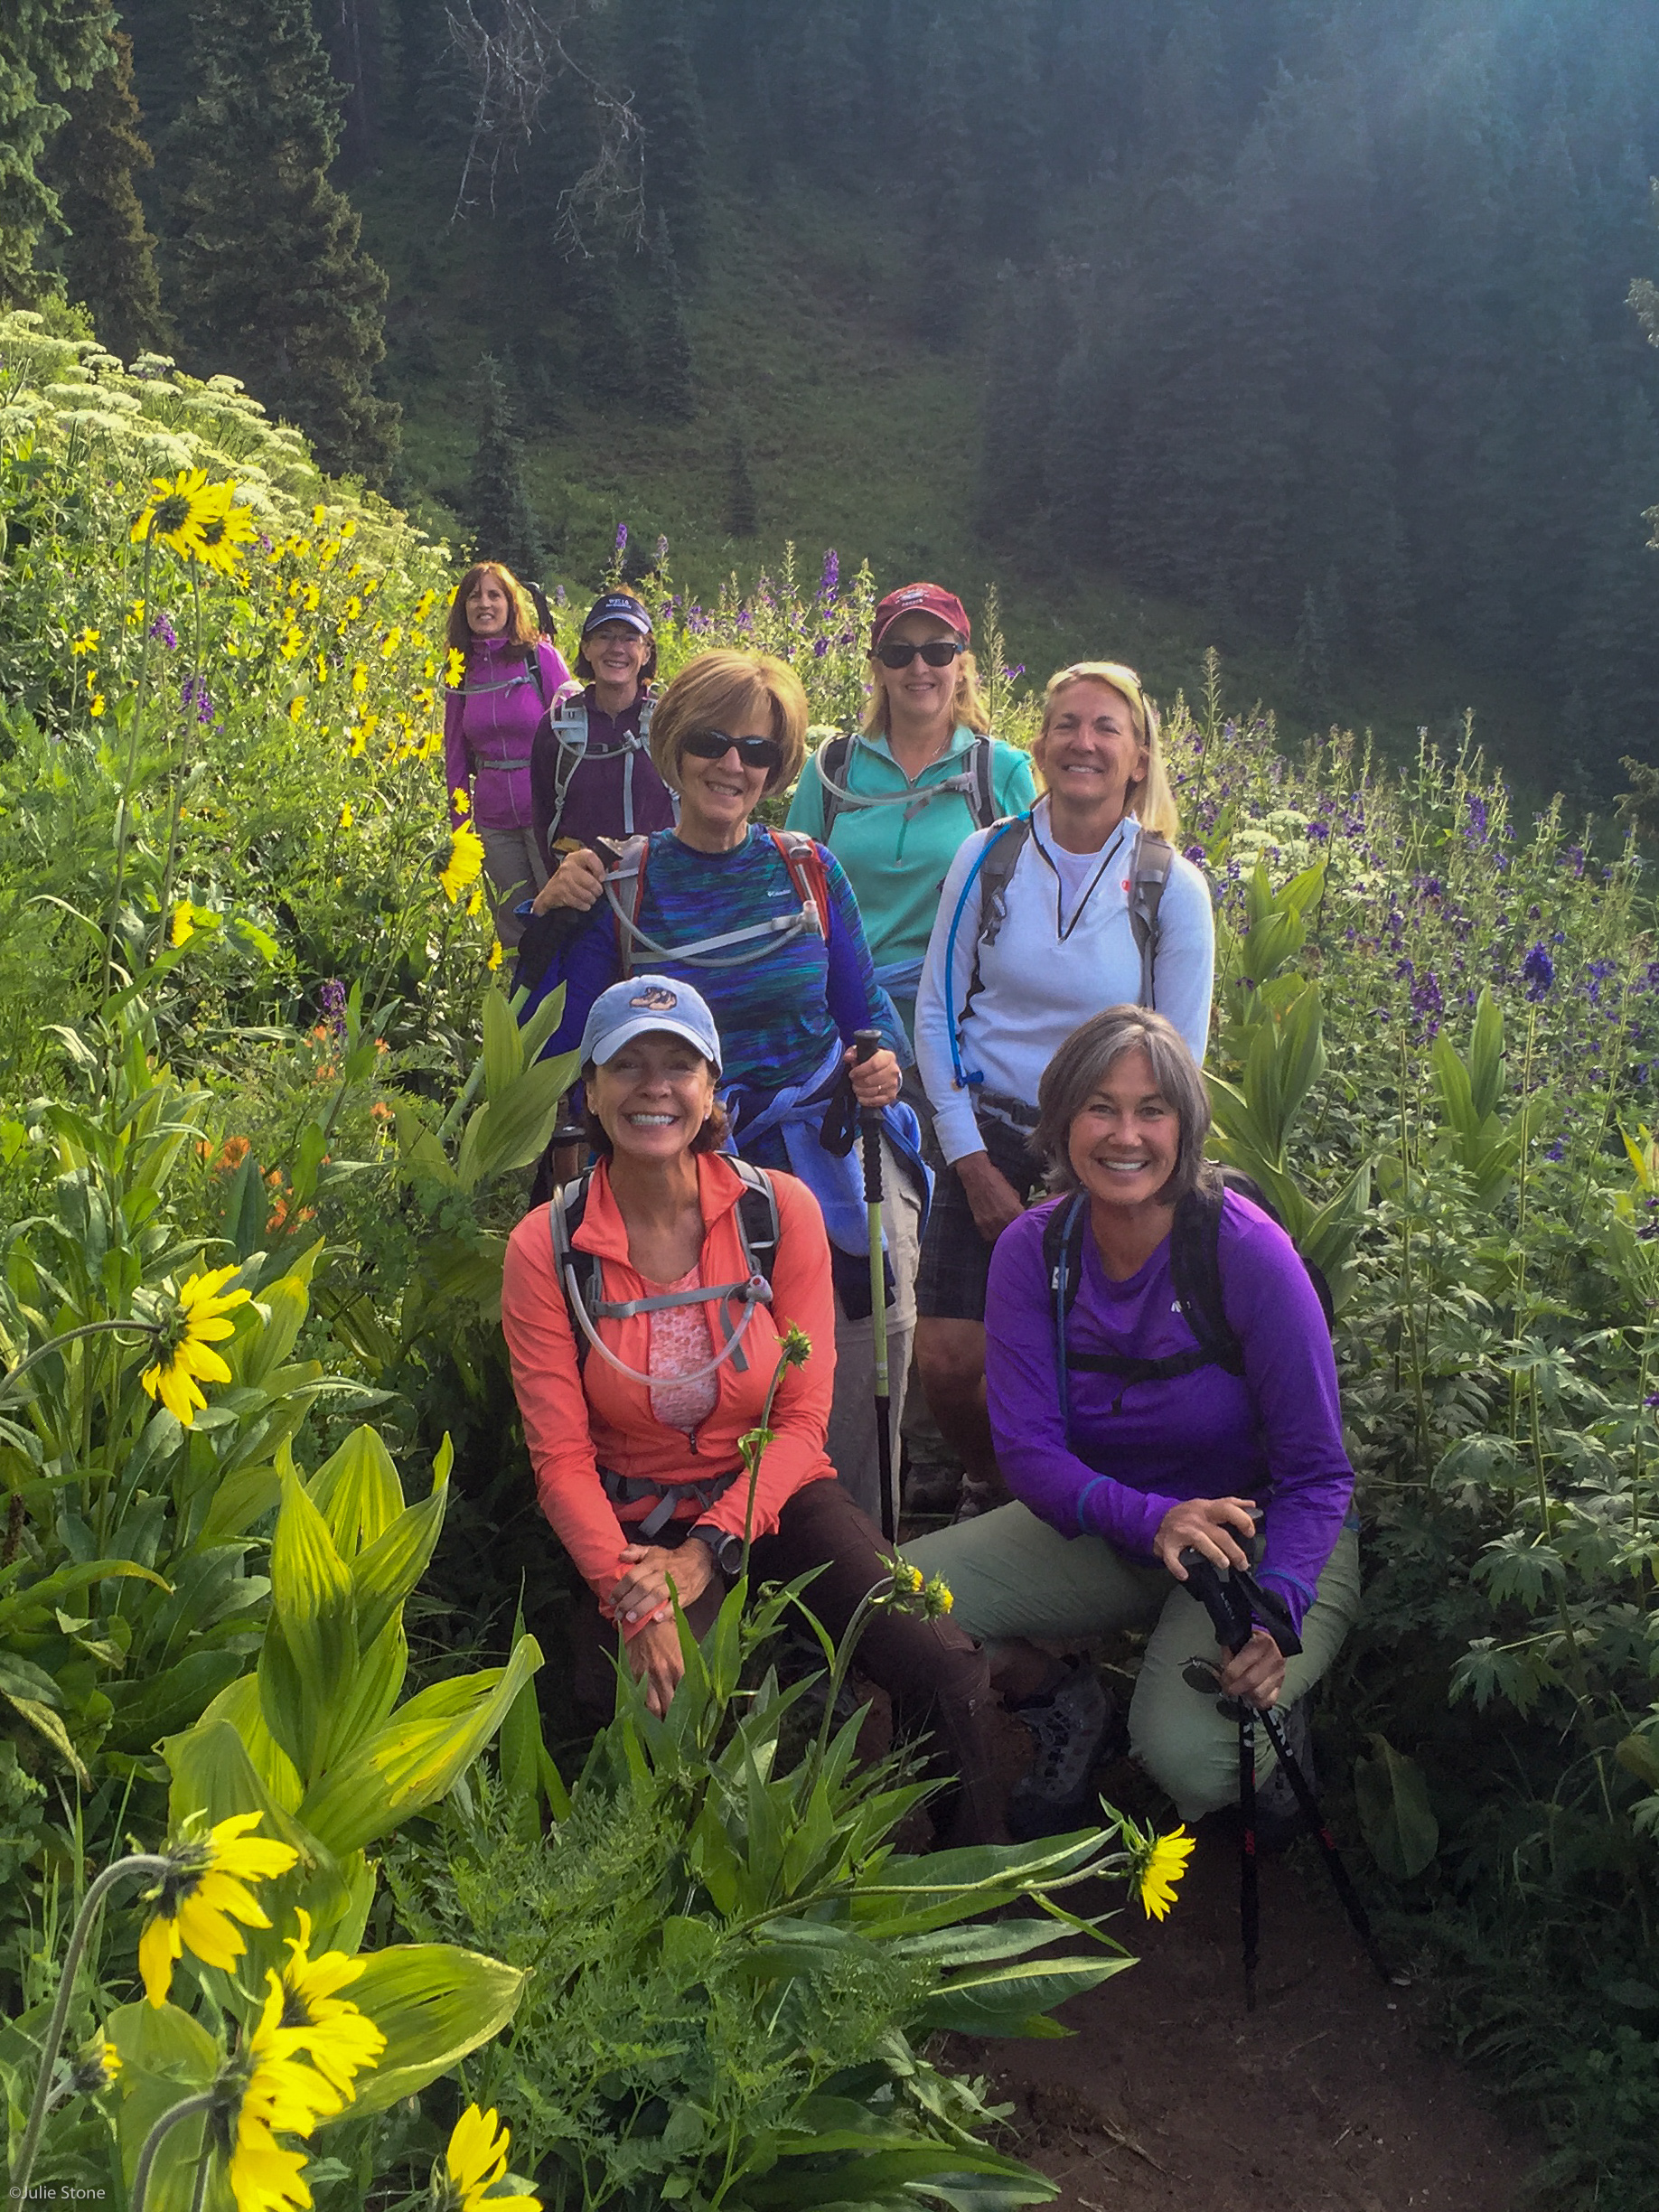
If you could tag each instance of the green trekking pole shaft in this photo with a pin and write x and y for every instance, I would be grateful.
(866, 1043)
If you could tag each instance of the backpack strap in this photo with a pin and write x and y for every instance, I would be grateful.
(1149, 871)
(1063, 1236)
(1194, 1268)
(999, 858)
(805, 863)
(565, 1211)
(984, 798)
(830, 764)
(973, 782)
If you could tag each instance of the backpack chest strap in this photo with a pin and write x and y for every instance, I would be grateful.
(629, 1489)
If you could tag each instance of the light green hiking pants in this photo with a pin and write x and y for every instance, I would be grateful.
(1012, 1575)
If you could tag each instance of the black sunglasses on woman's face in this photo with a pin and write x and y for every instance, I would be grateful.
(752, 751)
(938, 652)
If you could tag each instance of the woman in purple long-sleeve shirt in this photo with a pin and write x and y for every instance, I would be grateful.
(1114, 1475)
(511, 674)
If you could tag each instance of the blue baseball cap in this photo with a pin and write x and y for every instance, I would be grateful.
(618, 606)
(644, 1004)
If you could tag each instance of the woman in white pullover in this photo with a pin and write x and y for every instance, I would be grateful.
(1043, 922)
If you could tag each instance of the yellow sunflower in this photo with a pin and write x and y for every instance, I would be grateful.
(342, 2040)
(280, 2096)
(179, 512)
(476, 2161)
(185, 1357)
(224, 535)
(1159, 1862)
(204, 1891)
(465, 864)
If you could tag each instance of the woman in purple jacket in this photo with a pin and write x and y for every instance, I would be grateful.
(1116, 1470)
(509, 677)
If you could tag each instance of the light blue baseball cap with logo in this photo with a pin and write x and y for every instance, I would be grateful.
(648, 1004)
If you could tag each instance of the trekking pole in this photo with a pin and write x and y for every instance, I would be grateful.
(866, 1043)
(1235, 1603)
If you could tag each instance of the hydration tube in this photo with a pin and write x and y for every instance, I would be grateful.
(755, 1292)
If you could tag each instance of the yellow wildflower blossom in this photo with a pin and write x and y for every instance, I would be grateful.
(95, 705)
(496, 955)
(345, 815)
(390, 643)
(341, 2040)
(203, 1893)
(1159, 1864)
(185, 1357)
(465, 864)
(455, 670)
(225, 534)
(476, 2161)
(280, 2096)
(86, 642)
(178, 512)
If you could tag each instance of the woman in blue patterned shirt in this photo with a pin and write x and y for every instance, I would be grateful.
(765, 924)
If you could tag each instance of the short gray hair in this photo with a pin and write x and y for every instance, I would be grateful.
(1077, 1070)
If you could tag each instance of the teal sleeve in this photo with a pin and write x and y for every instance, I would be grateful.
(806, 809)
(1012, 780)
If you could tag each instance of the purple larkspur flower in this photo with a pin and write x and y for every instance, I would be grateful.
(162, 628)
(1574, 857)
(1652, 1402)
(829, 583)
(621, 538)
(1537, 972)
(1194, 853)
(1558, 1150)
(331, 1004)
(820, 646)
(1476, 829)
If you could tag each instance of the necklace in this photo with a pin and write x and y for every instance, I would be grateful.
(1062, 929)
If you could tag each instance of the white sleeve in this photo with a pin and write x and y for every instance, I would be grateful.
(1184, 967)
(939, 998)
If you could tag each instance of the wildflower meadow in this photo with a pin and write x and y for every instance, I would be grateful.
(311, 1894)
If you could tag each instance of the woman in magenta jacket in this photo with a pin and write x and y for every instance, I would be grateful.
(510, 676)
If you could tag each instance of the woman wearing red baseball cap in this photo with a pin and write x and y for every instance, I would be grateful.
(894, 803)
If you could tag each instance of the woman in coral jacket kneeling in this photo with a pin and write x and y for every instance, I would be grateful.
(644, 1335)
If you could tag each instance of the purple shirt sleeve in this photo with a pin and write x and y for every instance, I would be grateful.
(850, 987)
(1274, 1311)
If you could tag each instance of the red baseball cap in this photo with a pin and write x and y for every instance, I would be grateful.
(920, 599)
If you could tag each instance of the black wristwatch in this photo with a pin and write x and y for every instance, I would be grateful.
(726, 1548)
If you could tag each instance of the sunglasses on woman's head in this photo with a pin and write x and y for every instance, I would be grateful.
(938, 652)
(752, 751)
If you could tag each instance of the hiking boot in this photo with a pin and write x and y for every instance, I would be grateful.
(1071, 1725)
(1279, 1817)
(981, 1493)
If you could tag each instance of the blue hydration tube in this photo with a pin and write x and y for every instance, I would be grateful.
(963, 1079)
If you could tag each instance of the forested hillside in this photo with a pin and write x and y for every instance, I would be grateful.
(1300, 329)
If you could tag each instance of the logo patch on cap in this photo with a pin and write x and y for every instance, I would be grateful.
(656, 1000)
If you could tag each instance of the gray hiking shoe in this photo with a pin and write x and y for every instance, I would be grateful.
(1071, 1726)
(1279, 1817)
(981, 1493)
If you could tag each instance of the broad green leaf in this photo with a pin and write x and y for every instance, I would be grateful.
(313, 1604)
(357, 1492)
(1014, 1999)
(542, 1024)
(511, 1131)
(501, 1059)
(385, 1572)
(165, 2056)
(239, 1705)
(1395, 1815)
(240, 1499)
(434, 2003)
(45, 1722)
(415, 1757)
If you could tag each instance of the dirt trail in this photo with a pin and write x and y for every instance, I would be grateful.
(1169, 2098)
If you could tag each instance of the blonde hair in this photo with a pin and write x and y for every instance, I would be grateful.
(1150, 798)
(524, 629)
(967, 704)
(720, 688)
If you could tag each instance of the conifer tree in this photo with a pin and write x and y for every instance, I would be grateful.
(670, 107)
(268, 275)
(108, 259)
(46, 47)
(496, 507)
(667, 363)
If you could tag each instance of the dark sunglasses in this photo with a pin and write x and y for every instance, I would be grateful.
(938, 652)
(752, 751)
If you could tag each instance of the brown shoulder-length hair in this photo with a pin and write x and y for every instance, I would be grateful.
(710, 1138)
(719, 690)
(648, 666)
(524, 629)
(1078, 1068)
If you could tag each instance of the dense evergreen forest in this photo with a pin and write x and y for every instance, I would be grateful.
(1315, 318)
